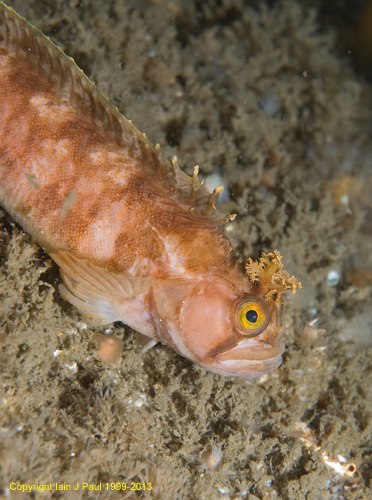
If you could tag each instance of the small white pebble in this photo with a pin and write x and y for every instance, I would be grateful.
(263, 378)
(223, 490)
(333, 278)
(141, 399)
(345, 200)
(73, 367)
(81, 326)
(57, 352)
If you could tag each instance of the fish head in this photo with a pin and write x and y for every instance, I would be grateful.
(229, 326)
(231, 334)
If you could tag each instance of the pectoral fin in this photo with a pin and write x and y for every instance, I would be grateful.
(97, 293)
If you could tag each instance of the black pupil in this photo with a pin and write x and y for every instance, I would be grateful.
(251, 316)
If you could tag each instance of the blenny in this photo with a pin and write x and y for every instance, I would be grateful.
(136, 239)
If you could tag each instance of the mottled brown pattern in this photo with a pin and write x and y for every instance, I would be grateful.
(153, 208)
(150, 213)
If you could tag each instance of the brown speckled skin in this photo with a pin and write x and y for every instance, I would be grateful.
(110, 211)
(51, 145)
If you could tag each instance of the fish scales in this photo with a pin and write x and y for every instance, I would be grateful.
(136, 239)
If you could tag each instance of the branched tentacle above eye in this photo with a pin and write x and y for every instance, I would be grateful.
(268, 276)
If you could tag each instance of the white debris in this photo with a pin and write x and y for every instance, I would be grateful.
(333, 278)
(223, 490)
(73, 367)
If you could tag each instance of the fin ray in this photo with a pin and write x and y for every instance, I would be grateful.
(96, 292)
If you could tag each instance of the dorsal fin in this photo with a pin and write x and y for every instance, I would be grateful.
(29, 46)
(197, 197)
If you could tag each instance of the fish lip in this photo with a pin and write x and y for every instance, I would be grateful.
(246, 368)
(251, 358)
(253, 349)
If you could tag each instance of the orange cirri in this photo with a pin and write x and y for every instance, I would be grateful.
(137, 240)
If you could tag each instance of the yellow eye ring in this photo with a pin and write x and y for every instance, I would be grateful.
(252, 315)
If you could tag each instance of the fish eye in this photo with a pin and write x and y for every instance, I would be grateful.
(252, 315)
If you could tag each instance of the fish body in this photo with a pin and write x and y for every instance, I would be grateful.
(137, 240)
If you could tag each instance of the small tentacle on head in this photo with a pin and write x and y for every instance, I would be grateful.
(195, 195)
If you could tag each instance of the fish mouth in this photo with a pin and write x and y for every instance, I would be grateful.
(250, 358)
